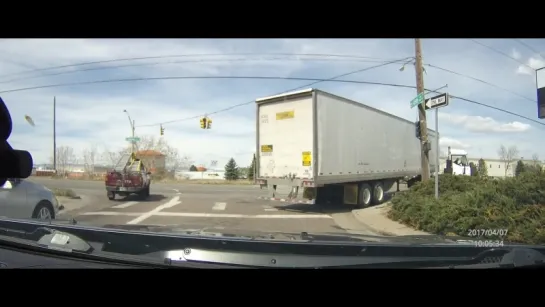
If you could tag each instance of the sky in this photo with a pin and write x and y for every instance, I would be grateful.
(90, 109)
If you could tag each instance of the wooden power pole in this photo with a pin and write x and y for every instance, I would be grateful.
(55, 133)
(422, 111)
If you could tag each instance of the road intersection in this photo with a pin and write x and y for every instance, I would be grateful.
(212, 207)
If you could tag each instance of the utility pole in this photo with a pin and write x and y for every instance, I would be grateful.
(55, 133)
(422, 111)
(133, 142)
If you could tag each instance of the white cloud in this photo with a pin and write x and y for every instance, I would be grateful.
(455, 144)
(93, 113)
(515, 54)
(531, 65)
(484, 124)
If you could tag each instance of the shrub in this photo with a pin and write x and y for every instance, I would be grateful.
(64, 192)
(467, 202)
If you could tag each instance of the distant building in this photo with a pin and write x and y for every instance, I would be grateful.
(207, 175)
(152, 159)
(495, 167)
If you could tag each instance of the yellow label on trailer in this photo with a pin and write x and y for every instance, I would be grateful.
(307, 158)
(266, 148)
(285, 115)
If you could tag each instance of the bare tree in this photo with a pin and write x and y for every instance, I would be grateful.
(112, 157)
(507, 156)
(89, 158)
(65, 157)
(535, 159)
(173, 160)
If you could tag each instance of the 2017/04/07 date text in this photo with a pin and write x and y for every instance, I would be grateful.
(487, 233)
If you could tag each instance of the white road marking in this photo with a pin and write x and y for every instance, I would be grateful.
(207, 215)
(271, 209)
(219, 206)
(176, 190)
(171, 203)
(113, 213)
(125, 205)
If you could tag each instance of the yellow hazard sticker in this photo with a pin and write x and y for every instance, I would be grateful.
(285, 115)
(266, 148)
(307, 158)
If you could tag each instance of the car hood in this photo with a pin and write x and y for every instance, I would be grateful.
(32, 185)
(291, 236)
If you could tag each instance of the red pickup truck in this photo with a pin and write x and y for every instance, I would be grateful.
(129, 176)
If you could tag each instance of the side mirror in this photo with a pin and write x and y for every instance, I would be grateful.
(7, 185)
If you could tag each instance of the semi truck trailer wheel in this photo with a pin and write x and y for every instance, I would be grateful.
(364, 195)
(378, 193)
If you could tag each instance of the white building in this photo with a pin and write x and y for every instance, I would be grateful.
(496, 167)
(207, 175)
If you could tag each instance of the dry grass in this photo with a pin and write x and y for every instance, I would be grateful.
(64, 192)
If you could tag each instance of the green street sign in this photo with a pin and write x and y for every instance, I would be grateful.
(417, 100)
(132, 139)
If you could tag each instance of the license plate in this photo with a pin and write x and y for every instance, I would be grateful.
(122, 189)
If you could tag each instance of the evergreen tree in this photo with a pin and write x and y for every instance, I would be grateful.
(473, 167)
(483, 169)
(251, 169)
(231, 170)
(192, 168)
(519, 169)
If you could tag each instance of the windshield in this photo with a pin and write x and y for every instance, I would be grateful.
(282, 136)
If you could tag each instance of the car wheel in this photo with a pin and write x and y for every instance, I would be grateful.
(43, 211)
(111, 195)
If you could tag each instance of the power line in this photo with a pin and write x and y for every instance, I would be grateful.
(184, 55)
(174, 62)
(316, 80)
(529, 47)
(501, 53)
(479, 80)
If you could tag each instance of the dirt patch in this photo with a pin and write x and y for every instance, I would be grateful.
(69, 193)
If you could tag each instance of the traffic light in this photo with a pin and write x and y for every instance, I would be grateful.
(162, 130)
(209, 124)
(417, 129)
(203, 123)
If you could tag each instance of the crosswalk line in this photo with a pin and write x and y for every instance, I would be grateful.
(125, 205)
(219, 206)
(269, 208)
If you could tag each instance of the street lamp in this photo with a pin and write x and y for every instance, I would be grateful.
(131, 122)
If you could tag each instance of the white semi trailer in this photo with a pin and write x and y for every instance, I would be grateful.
(350, 152)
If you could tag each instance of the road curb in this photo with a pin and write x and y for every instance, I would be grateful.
(376, 220)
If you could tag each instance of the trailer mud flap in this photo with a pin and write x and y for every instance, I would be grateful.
(350, 194)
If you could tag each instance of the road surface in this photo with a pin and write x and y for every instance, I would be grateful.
(206, 207)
